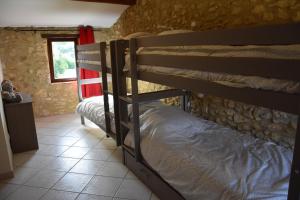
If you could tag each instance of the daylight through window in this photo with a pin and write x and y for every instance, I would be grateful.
(62, 59)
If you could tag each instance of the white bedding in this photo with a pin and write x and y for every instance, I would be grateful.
(204, 160)
(283, 52)
(93, 109)
(107, 54)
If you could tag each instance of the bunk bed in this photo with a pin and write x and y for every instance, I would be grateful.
(100, 109)
(230, 165)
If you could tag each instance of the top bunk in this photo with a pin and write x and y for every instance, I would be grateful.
(96, 57)
(210, 62)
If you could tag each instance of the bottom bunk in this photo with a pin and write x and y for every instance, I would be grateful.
(93, 109)
(203, 160)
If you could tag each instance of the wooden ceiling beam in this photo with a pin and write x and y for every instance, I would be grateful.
(122, 2)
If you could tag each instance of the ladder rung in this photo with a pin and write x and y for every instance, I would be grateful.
(126, 99)
(150, 96)
(107, 92)
(110, 114)
(108, 70)
(126, 124)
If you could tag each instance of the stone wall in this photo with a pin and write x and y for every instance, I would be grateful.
(155, 16)
(25, 62)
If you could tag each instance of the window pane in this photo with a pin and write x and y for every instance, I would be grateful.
(64, 59)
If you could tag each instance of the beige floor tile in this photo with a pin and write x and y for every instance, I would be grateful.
(92, 197)
(49, 139)
(56, 140)
(94, 134)
(73, 182)
(100, 185)
(52, 132)
(106, 144)
(42, 124)
(62, 164)
(154, 197)
(20, 158)
(130, 175)
(41, 130)
(45, 178)
(27, 193)
(116, 156)
(133, 189)
(86, 142)
(75, 152)
(50, 150)
(7, 189)
(98, 154)
(38, 161)
(77, 133)
(88, 167)
(113, 169)
(21, 175)
(59, 195)
(68, 141)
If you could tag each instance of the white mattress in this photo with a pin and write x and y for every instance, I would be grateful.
(204, 160)
(283, 52)
(107, 54)
(93, 109)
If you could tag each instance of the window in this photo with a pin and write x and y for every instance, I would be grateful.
(62, 58)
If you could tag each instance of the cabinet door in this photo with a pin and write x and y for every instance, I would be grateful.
(21, 127)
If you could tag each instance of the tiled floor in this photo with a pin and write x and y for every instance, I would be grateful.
(73, 162)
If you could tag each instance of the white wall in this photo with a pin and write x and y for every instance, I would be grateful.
(5, 150)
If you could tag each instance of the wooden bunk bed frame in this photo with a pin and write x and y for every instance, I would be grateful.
(248, 66)
(98, 54)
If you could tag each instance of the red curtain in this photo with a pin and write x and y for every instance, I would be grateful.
(86, 36)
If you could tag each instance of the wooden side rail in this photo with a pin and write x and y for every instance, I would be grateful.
(150, 96)
(264, 67)
(265, 35)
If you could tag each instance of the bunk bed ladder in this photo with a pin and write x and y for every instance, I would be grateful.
(105, 88)
(115, 92)
(119, 47)
(294, 185)
(135, 103)
(79, 92)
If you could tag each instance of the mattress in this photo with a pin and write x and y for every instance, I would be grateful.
(93, 109)
(204, 160)
(282, 52)
(107, 54)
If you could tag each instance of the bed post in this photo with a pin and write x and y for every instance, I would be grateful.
(115, 91)
(79, 92)
(120, 46)
(105, 87)
(135, 103)
(294, 184)
(184, 101)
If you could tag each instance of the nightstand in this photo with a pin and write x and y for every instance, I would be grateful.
(21, 125)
